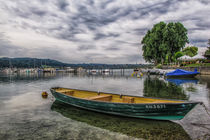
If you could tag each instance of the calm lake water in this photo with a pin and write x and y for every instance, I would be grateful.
(24, 114)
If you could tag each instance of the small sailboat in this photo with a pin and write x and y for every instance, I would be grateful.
(124, 105)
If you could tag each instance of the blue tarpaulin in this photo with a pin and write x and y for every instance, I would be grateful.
(179, 72)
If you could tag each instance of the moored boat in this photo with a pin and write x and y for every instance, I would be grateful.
(179, 73)
(94, 71)
(106, 71)
(124, 105)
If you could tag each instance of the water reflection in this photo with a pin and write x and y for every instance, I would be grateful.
(183, 81)
(155, 87)
(206, 79)
(20, 98)
(139, 128)
(26, 77)
(190, 82)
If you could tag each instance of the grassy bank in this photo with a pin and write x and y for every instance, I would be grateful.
(199, 65)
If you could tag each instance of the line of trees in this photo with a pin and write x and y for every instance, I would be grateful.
(40, 63)
(189, 51)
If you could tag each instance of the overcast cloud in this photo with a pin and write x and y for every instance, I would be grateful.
(94, 31)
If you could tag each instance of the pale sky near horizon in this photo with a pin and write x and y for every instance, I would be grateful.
(94, 31)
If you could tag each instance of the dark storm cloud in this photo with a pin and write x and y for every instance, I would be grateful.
(157, 8)
(140, 31)
(198, 41)
(38, 12)
(101, 36)
(205, 1)
(203, 25)
(62, 4)
(131, 44)
(86, 47)
(91, 19)
(104, 3)
(27, 12)
(113, 48)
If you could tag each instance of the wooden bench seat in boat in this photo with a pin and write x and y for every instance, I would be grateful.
(128, 99)
(101, 98)
(69, 92)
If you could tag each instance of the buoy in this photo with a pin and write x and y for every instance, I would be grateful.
(44, 94)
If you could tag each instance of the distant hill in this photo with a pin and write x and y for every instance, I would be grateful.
(36, 62)
(29, 62)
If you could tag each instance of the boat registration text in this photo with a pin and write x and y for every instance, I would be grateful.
(155, 106)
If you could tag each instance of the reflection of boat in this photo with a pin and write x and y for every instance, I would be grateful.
(179, 73)
(131, 106)
(182, 81)
(137, 128)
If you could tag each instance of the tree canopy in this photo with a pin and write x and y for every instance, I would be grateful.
(162, 42)
(207, 53)
(178, 54)
(190, 51)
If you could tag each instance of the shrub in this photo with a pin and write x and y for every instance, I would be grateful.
(159, 66)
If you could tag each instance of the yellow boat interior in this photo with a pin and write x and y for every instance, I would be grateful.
(108, 97)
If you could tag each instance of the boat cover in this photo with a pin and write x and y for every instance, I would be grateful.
(181, 72)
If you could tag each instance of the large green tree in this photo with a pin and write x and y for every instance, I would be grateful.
(162, 42)
(190, 51)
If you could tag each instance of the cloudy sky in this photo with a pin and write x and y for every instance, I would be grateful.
(94, 31)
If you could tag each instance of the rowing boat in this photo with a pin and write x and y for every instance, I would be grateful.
(124, 105)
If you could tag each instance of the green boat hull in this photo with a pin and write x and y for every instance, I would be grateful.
(158, 111)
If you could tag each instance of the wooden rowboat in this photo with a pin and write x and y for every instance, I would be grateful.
(124, 105)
